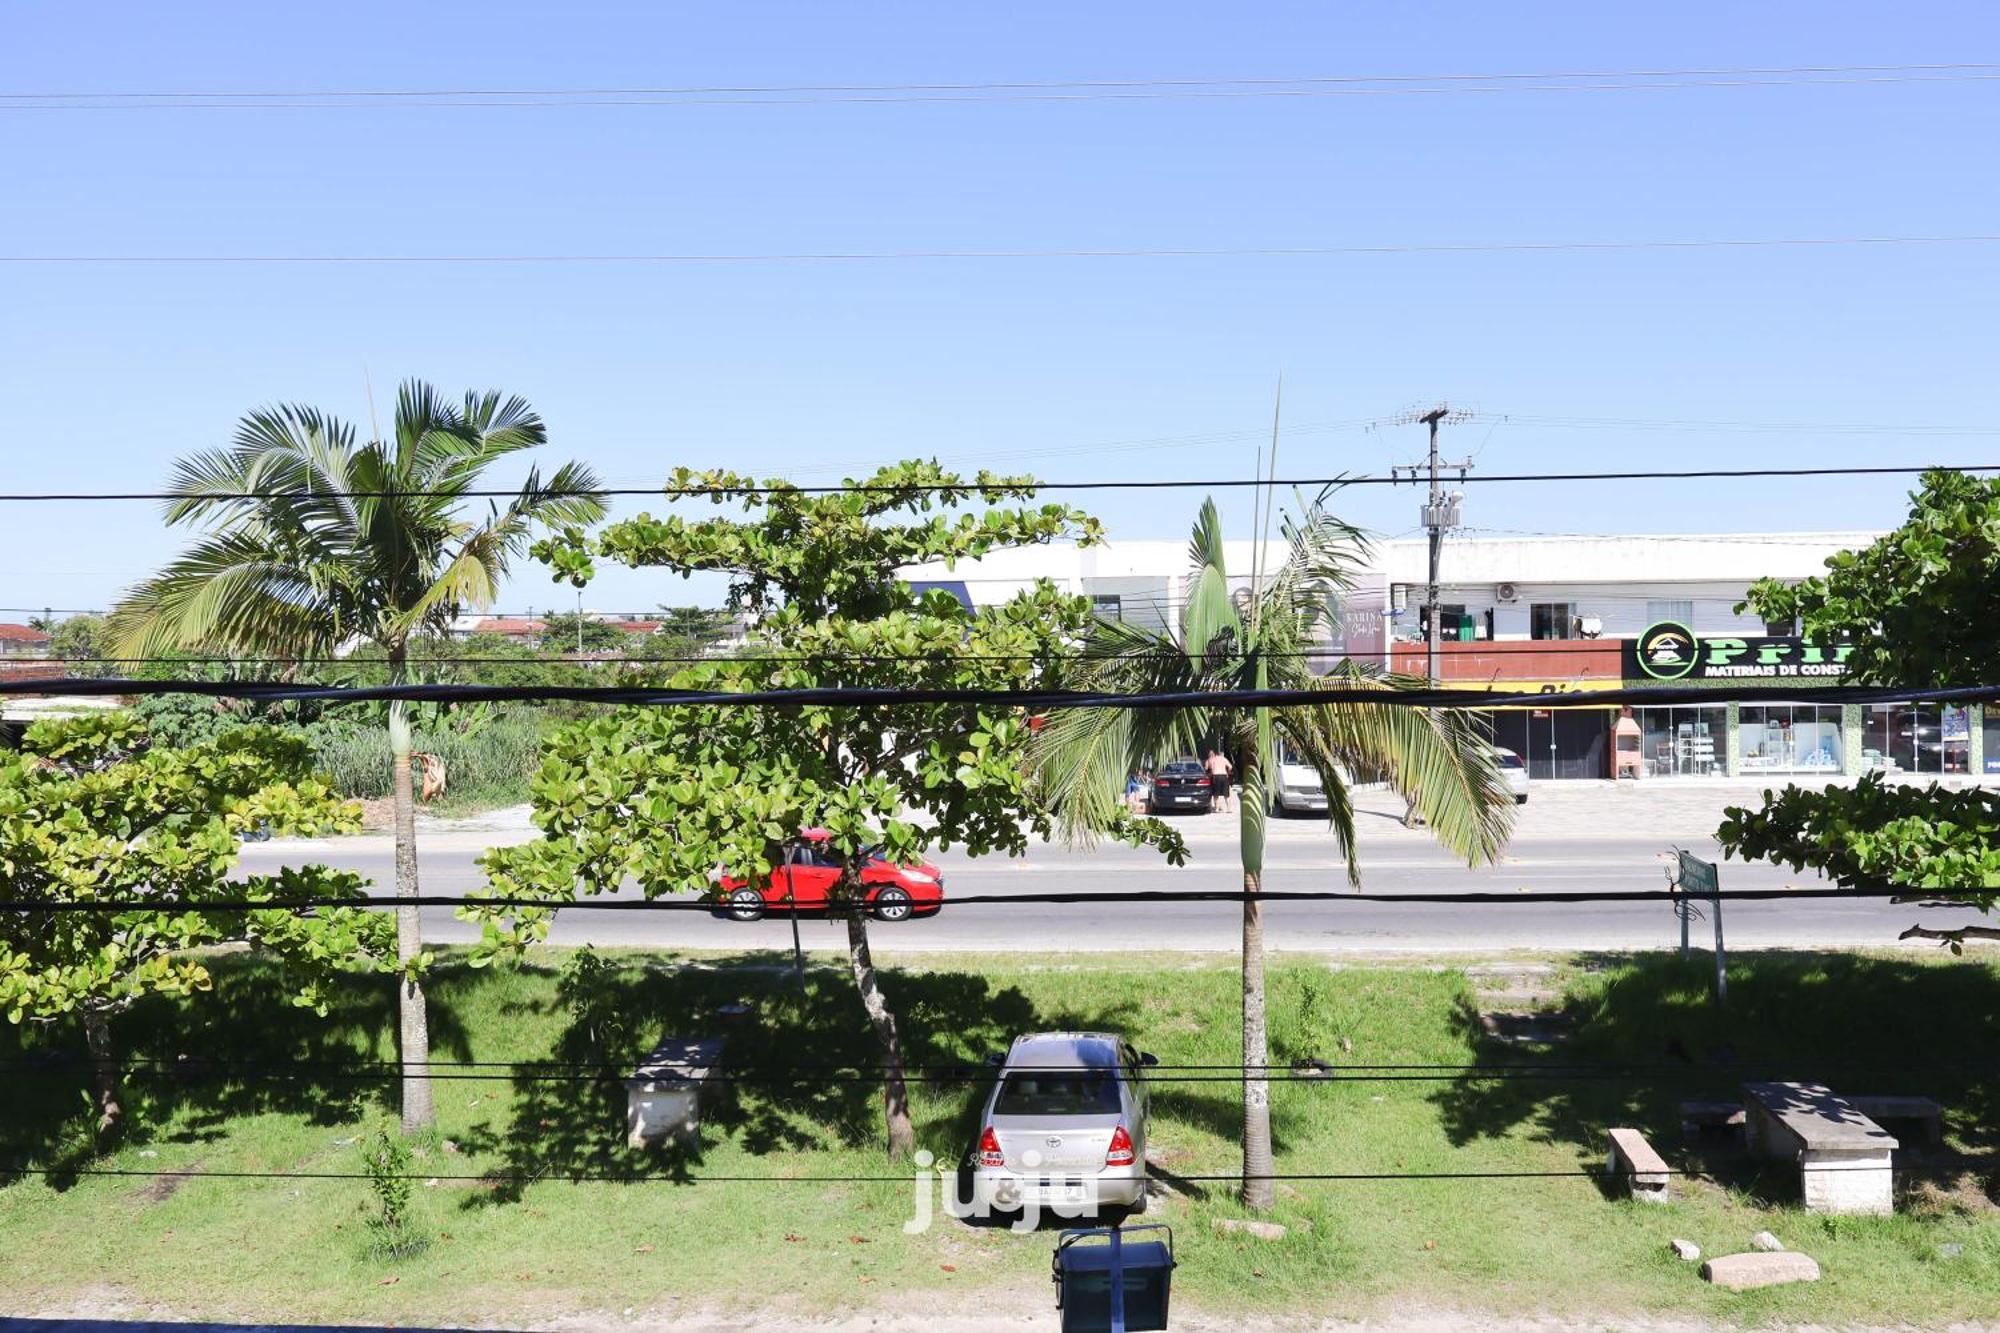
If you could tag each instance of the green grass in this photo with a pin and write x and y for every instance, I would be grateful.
(302, 1248)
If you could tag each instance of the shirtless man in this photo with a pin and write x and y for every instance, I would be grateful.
(1219, 768)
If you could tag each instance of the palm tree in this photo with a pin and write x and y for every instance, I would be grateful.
(312, 543)
(1262, 638)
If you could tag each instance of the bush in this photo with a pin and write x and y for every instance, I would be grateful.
(488, 757)
(394, 1234)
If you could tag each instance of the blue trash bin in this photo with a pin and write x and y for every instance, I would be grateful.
(1082, 1274)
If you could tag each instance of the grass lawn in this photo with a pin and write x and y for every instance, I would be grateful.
(299, 1249)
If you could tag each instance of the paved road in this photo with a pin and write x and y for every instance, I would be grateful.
(1549, 854)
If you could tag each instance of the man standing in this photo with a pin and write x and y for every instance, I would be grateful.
(1219, 768)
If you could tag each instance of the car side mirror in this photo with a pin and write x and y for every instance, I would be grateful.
(1148, 1059)
(996, 1060)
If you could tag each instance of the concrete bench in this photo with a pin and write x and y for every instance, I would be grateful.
(1846, 1160)
(1703, 1123)
(1633, 1160)
(663, 1098)
(1923, 1113)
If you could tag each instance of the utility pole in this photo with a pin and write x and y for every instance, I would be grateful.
(1440, 514)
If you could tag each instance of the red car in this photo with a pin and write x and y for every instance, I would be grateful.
(805, 882)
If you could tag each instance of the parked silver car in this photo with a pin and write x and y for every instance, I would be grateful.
(1065, 1126)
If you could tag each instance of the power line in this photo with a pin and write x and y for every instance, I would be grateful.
(553, 1173)
(1146, 252)
(288, 102)
(974, 486)
(1033, 699)
(1031, 90)
(1560, 897)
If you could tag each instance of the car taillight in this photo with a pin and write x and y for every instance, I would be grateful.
(990, 1154)
(1201, 782)
(1120, 1151)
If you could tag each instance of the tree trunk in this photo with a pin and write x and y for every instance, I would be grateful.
(413, 1020)
(103, 1069)
(895, 1092)
(1258, 1188)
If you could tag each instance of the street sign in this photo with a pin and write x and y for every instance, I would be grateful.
(1696, 878)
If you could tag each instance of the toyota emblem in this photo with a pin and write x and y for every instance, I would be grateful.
(1052, 1141)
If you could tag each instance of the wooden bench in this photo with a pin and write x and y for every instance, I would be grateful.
(1846, 1160)
(1633, 1160)
(1923, 1113)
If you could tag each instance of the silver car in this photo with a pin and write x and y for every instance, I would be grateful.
(1064, 1128)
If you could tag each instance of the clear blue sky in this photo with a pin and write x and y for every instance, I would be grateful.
(811, 370)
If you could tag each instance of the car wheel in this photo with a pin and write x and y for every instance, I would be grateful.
(892, 905)
(1521, 799)
(746, 904)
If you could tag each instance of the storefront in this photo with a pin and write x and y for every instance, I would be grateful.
(1798, 739)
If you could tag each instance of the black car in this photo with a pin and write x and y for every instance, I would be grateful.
(1181, 785)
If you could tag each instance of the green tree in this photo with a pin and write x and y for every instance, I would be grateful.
(1919, 607)
(571, 631)
(664, 796)
(313, 541)
(1257, 640)
(91, 809)
(79, 642)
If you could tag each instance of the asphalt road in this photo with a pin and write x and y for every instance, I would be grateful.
(1301, 857)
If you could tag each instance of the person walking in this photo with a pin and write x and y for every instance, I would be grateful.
(1219, 768)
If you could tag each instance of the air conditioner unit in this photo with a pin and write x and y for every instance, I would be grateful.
(1506, 592)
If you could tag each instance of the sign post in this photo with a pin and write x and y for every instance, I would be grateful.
(1701, 878)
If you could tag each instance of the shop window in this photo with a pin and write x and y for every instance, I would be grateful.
(1551, 620)
(1916, 738)
(1682, 742)
(1790, 738)
(1678, 610)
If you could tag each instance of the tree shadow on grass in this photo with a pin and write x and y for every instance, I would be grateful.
(800, 1070)
(192, 1066)
(1648, 1036)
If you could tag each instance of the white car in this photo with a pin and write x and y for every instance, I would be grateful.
(1065, 1126)
(1512, 771)
(1297, 790)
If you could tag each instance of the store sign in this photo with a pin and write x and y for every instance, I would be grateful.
(1669, 651)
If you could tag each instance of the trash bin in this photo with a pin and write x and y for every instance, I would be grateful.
(1082, 1274)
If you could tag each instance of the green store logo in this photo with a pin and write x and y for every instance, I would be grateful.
(1667, 650)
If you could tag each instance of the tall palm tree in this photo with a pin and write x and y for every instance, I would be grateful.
(311, 542)
(1258, 638)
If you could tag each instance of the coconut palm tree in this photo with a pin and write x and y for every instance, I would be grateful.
(311, 543)
(1262, 637)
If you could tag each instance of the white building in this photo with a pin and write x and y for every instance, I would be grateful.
(1537, 614)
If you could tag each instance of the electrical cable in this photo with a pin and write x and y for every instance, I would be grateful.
(1035, 85)
(552, 1174)
(1039, 700)
(975, 486)
(38, 906)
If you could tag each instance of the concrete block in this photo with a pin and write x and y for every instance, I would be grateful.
(1247, 1227)
(1742, 1272)
(1633, 1160)
(1861, 1183)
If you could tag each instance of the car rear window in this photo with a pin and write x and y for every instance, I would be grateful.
(1060, 1092)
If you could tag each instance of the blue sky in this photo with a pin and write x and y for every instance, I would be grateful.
(813, 370)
